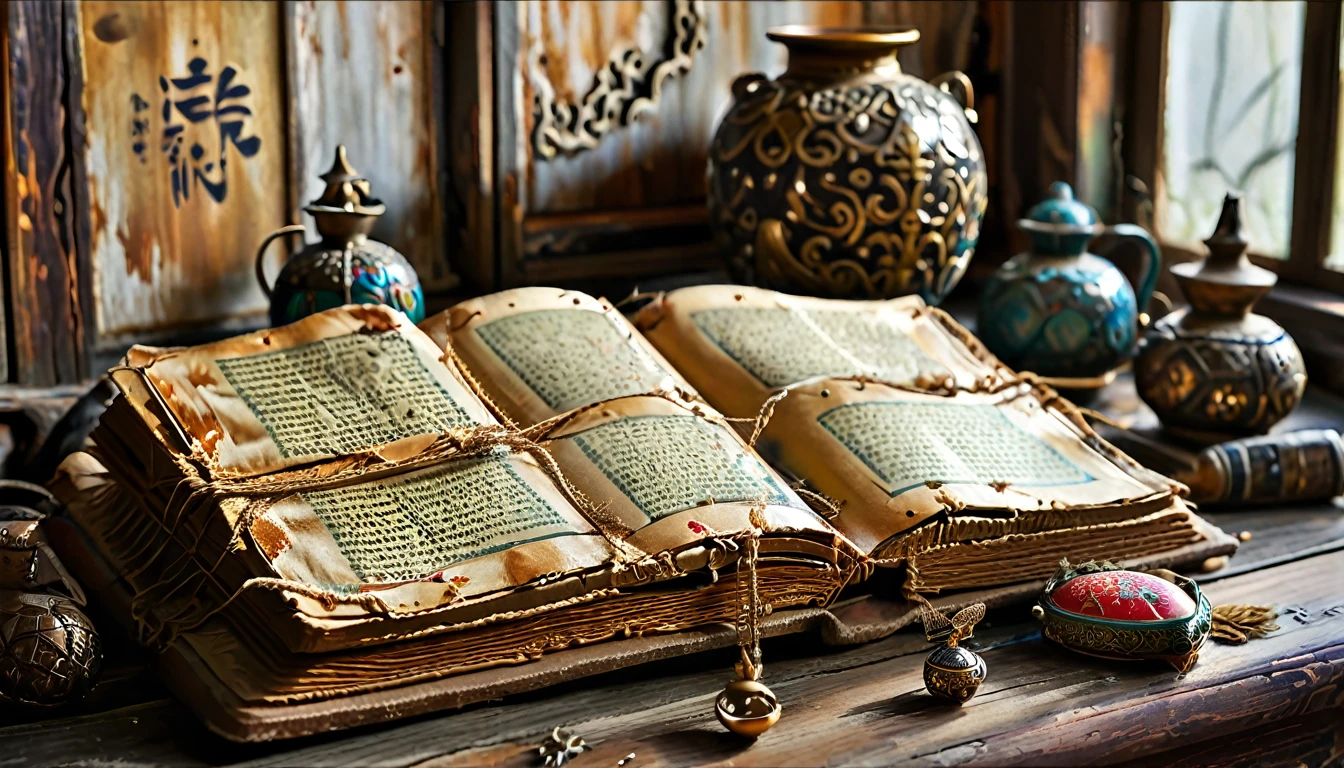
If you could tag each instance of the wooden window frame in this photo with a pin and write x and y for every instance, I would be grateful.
(1316, 145)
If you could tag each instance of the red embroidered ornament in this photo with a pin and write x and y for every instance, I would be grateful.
(1123, 596)
(1104, 610)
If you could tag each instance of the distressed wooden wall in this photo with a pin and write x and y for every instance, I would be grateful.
(364, 74)
(660, 158)
(630, 202)
(47, 280)
(150, 147)
(173, 235)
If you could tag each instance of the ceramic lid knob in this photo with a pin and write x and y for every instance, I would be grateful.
(346, 191)
(1060, 212)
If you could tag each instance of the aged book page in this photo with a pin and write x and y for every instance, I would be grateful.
(741, 344)
(337, 383)
(894, 458)
(276, 423)
(544, 351)
(395, 513)
(662, 468)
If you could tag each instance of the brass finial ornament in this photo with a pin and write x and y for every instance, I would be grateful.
(1214, 371)
(346, 192)
(346, 266)
(953, 673)
(746, 706)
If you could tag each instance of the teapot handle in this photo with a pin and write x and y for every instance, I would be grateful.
(967, 91)
(1154, 259)
(261, 253)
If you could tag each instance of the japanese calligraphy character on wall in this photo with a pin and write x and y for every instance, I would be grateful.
(198, 157)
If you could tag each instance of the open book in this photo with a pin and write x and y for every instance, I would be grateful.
(315, 521)
(934, 455)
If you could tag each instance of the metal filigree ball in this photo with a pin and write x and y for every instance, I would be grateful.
(50, 653)
(954, 673)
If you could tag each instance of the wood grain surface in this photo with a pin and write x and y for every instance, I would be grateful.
(861, 706)
(362, 74)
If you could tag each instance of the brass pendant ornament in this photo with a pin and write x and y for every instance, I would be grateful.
(746, 706)
(953, 673)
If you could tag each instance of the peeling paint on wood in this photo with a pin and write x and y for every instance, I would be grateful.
(362, 74)
(163, 263)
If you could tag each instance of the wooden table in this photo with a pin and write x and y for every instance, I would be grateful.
(1276, 700)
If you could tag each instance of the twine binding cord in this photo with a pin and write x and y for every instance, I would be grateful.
(452, 446)
(457, 444)
(750, 611)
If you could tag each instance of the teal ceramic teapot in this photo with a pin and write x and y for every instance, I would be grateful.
(1058, 310)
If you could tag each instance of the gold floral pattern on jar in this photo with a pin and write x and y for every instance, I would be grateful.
(846, 177)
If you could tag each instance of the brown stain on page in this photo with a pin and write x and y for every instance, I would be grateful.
(522, 566)
(270, 538)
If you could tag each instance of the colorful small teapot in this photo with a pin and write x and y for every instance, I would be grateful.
(345, 266)
(1058, 310)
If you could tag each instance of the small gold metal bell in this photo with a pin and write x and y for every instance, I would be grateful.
(747, 708)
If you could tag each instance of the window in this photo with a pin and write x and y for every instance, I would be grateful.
(1230, 118)
(1247, 98)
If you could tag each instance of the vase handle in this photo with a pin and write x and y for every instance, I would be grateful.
(261, 254)
(967, 91)
(743, 85)
(1150, 274)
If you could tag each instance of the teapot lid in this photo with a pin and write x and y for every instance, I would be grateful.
(1227, 262)
(346, 191)
(1060, 214)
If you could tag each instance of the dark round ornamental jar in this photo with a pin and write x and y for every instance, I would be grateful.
(846, 177)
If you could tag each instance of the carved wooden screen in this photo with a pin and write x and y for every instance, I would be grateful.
(153, 146)
(603, 132)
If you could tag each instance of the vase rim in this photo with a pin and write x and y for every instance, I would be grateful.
(843, 38)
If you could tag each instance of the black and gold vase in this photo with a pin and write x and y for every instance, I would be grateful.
(1215, 370)
(846, 177)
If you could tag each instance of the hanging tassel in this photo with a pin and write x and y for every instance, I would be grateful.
(1236, 624)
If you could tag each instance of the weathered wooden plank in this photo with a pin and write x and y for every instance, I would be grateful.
(42, 262)
(660, 158)
(172, 253)
(470, 133)
(944, 33)
(863, 705)
(362, 73)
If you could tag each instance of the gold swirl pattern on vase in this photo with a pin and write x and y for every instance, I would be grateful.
(861, 189)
